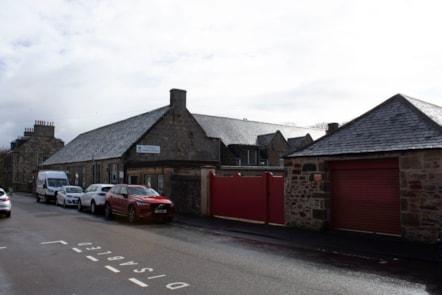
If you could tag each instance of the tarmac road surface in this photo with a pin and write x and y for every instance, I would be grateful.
(52, 250)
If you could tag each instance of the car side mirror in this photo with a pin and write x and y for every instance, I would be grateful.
(124, 195)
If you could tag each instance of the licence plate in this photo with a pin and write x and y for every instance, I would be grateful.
(160, 211)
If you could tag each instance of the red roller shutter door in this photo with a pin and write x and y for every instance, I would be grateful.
(365, 196)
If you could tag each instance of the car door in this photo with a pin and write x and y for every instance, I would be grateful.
(61, 195)
(114, 198)
(86, 198)
(123, 200)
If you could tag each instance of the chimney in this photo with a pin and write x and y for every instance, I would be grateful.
(332, 127)
(44, 129)
(178, 99)
(29, 132)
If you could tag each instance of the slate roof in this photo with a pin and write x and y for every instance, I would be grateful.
(400, 123)
(110, 141)
(265, 139)
(296, 142)
(235, 131)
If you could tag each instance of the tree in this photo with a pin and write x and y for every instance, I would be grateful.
(3, 152)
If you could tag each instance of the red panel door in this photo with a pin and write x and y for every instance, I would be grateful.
(275, 209)
(365, 196)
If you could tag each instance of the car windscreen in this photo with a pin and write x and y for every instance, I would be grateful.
(142, 191)
(57, 182)
(73, 190)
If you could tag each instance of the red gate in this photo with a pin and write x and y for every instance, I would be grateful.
(257, 198)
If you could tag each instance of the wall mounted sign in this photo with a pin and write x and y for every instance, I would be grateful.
(148, 149)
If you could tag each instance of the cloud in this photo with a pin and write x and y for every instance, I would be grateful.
(83, 64)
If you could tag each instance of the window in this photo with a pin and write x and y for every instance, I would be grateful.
(113, 173)
(155, 181)
(248, 157)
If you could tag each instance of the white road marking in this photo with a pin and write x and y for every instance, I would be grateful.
(77, 250)
(54, 242)
(92, 258)
(111, 268)
(2, 248)
(138, 282)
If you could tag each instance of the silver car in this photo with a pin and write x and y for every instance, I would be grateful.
(5, 203)
(68, 195)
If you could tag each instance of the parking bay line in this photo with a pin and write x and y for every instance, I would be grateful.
(111, 268)
(92, 258)
(138, 282)
(54, 242)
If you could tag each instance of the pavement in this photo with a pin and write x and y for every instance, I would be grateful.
(337, 242)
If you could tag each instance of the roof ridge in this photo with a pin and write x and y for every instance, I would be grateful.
(260, 122)
(127, 119)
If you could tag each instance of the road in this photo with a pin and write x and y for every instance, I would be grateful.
(52, 250)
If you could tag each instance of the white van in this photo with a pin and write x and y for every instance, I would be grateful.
(48, 183)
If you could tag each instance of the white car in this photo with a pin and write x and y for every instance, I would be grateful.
(94, 197)
(68, 195)
(5, 203)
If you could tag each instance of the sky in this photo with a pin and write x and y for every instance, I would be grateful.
(88, 63)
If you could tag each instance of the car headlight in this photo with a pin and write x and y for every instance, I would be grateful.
(142, 203)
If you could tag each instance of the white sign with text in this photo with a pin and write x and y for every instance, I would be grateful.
(148, 149)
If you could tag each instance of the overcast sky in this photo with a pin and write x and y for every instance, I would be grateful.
(84, 64)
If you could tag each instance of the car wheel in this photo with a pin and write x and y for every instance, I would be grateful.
(79, 206)
(108, 211)
(64, 203)
(38, 199)
(8, 214)
(93, 208)
(132, 214)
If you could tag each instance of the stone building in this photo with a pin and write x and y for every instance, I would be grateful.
(380, 173)
(27, 153)
(166, 148)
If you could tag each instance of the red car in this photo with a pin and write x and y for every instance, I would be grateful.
(137, 202)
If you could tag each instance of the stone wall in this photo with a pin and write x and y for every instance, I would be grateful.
(84, 174)
(24, 160)
(421, 194)
(308, 200)
(180, 138)
(277, 148)
(306, 196)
